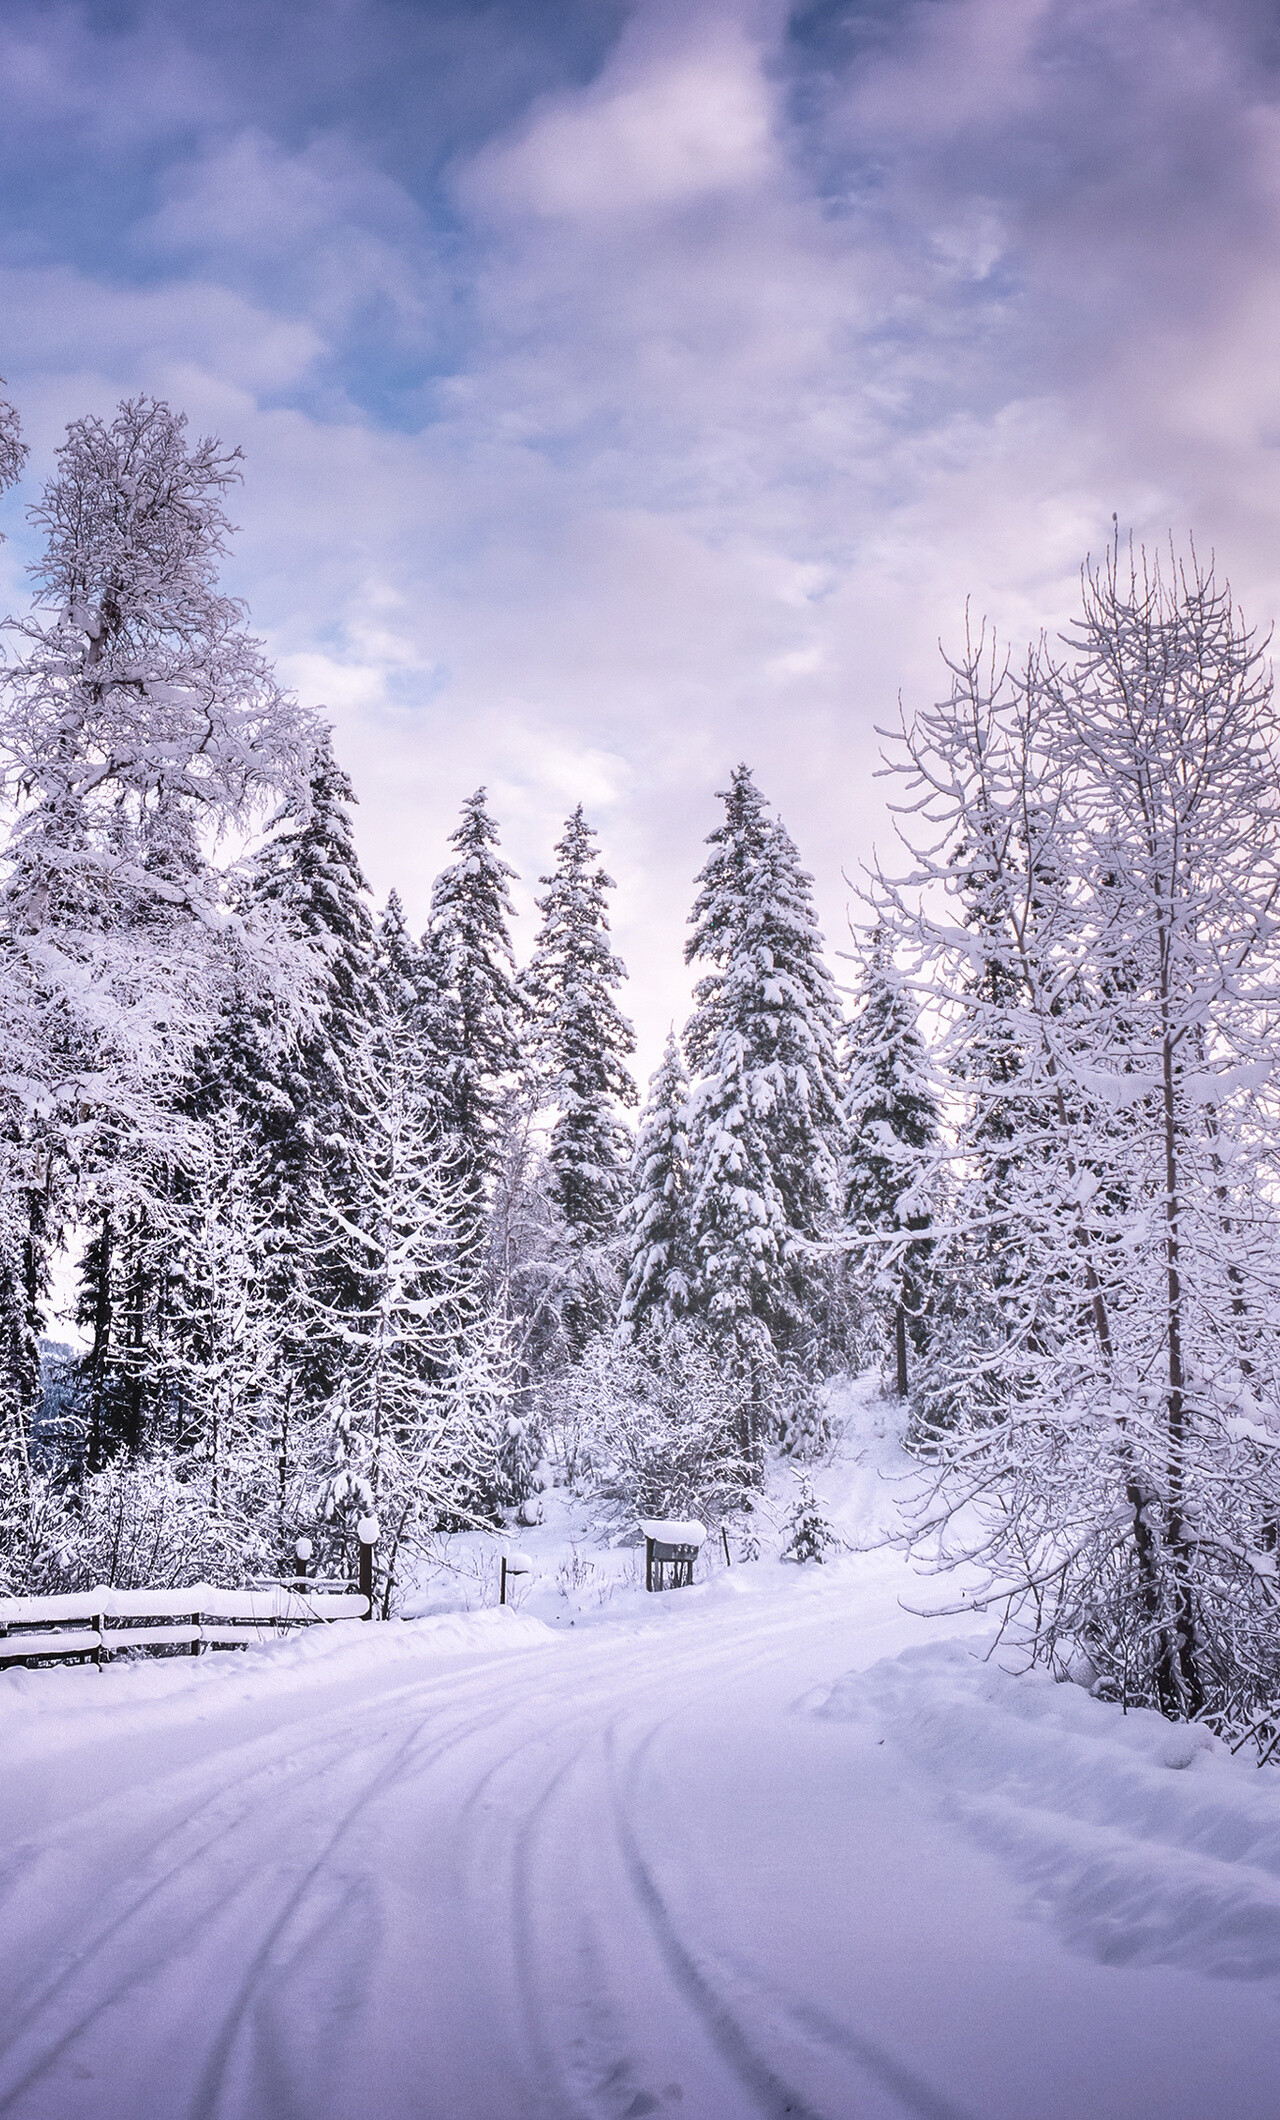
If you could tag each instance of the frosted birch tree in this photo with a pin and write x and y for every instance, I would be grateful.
(138, 722)
(1118, 797)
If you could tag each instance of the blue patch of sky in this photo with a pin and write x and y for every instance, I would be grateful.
(411, 87)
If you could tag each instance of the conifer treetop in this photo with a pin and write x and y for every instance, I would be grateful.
(659, 1278)
(477, 1010)
(765, 1129)
(579, 1039)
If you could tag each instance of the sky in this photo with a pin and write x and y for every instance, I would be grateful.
(630, 387)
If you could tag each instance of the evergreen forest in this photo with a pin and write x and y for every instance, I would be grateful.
(367, 1216)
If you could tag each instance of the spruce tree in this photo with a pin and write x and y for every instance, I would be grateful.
(284, 1056)
(765, 1125)
(579, 1040)
(891, 1124)
(477, 1009)
(657, 1220)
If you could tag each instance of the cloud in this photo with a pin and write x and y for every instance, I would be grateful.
(681, 112)
(628, 390)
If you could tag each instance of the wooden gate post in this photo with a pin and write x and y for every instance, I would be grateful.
(367, 1533)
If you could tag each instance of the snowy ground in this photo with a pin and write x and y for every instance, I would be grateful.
(772, 1846)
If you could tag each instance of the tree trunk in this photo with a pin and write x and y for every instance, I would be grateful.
(900, 1347)
(1177, 1675)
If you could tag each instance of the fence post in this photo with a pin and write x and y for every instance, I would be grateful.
(367, 1533)
(502, 1580)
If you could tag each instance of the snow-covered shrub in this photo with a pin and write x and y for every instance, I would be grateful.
(804, 1421)
(660, 1426)
(141, 1526)
(809, 1535)
(35, 1525)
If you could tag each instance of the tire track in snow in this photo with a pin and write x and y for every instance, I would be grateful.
(235, 2051)
(321, 1756)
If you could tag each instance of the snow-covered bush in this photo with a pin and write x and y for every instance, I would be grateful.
(804, 1420)
(809, 1536)
(659, 1428)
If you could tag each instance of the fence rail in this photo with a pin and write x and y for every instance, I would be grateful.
(99, 1623)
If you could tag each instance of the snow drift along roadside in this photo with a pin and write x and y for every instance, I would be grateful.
(1143, 1841)
(58, 1709)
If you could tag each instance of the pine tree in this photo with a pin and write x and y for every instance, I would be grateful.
(765, 1127)
(420, 1407)
(809, 1535)
(308, 875)
(279, 1065)
(659, 1276)
(891, 1125)
(479, 1018)
(579, 1040)
(399, 966)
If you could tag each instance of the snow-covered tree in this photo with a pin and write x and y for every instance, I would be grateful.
(219, 1351)
(765, 1125)
(138, 721)
(1114, 1424)
(579, 1040)
(660, 1269)
(399, 965)
(286, 1056)
(808, 1535)
(577, 1044)
(654, 1425)
(891, 1127)
(137, 718)
(423, 1367)
(13, 450)
(479, 1018)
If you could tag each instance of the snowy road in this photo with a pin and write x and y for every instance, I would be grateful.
(611, 1871)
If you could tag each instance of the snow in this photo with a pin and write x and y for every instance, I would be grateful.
(265, 1605)
(673, 1531)
(772, 1844)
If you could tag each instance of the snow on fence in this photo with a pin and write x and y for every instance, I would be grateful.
(99, 1623)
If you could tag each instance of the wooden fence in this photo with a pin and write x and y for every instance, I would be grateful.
(95, 1625)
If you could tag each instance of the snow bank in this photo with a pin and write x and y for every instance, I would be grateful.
(67, 1705)
(1143, 1841)
(263, 1605)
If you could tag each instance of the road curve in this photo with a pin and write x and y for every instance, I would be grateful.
(609, 1872)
